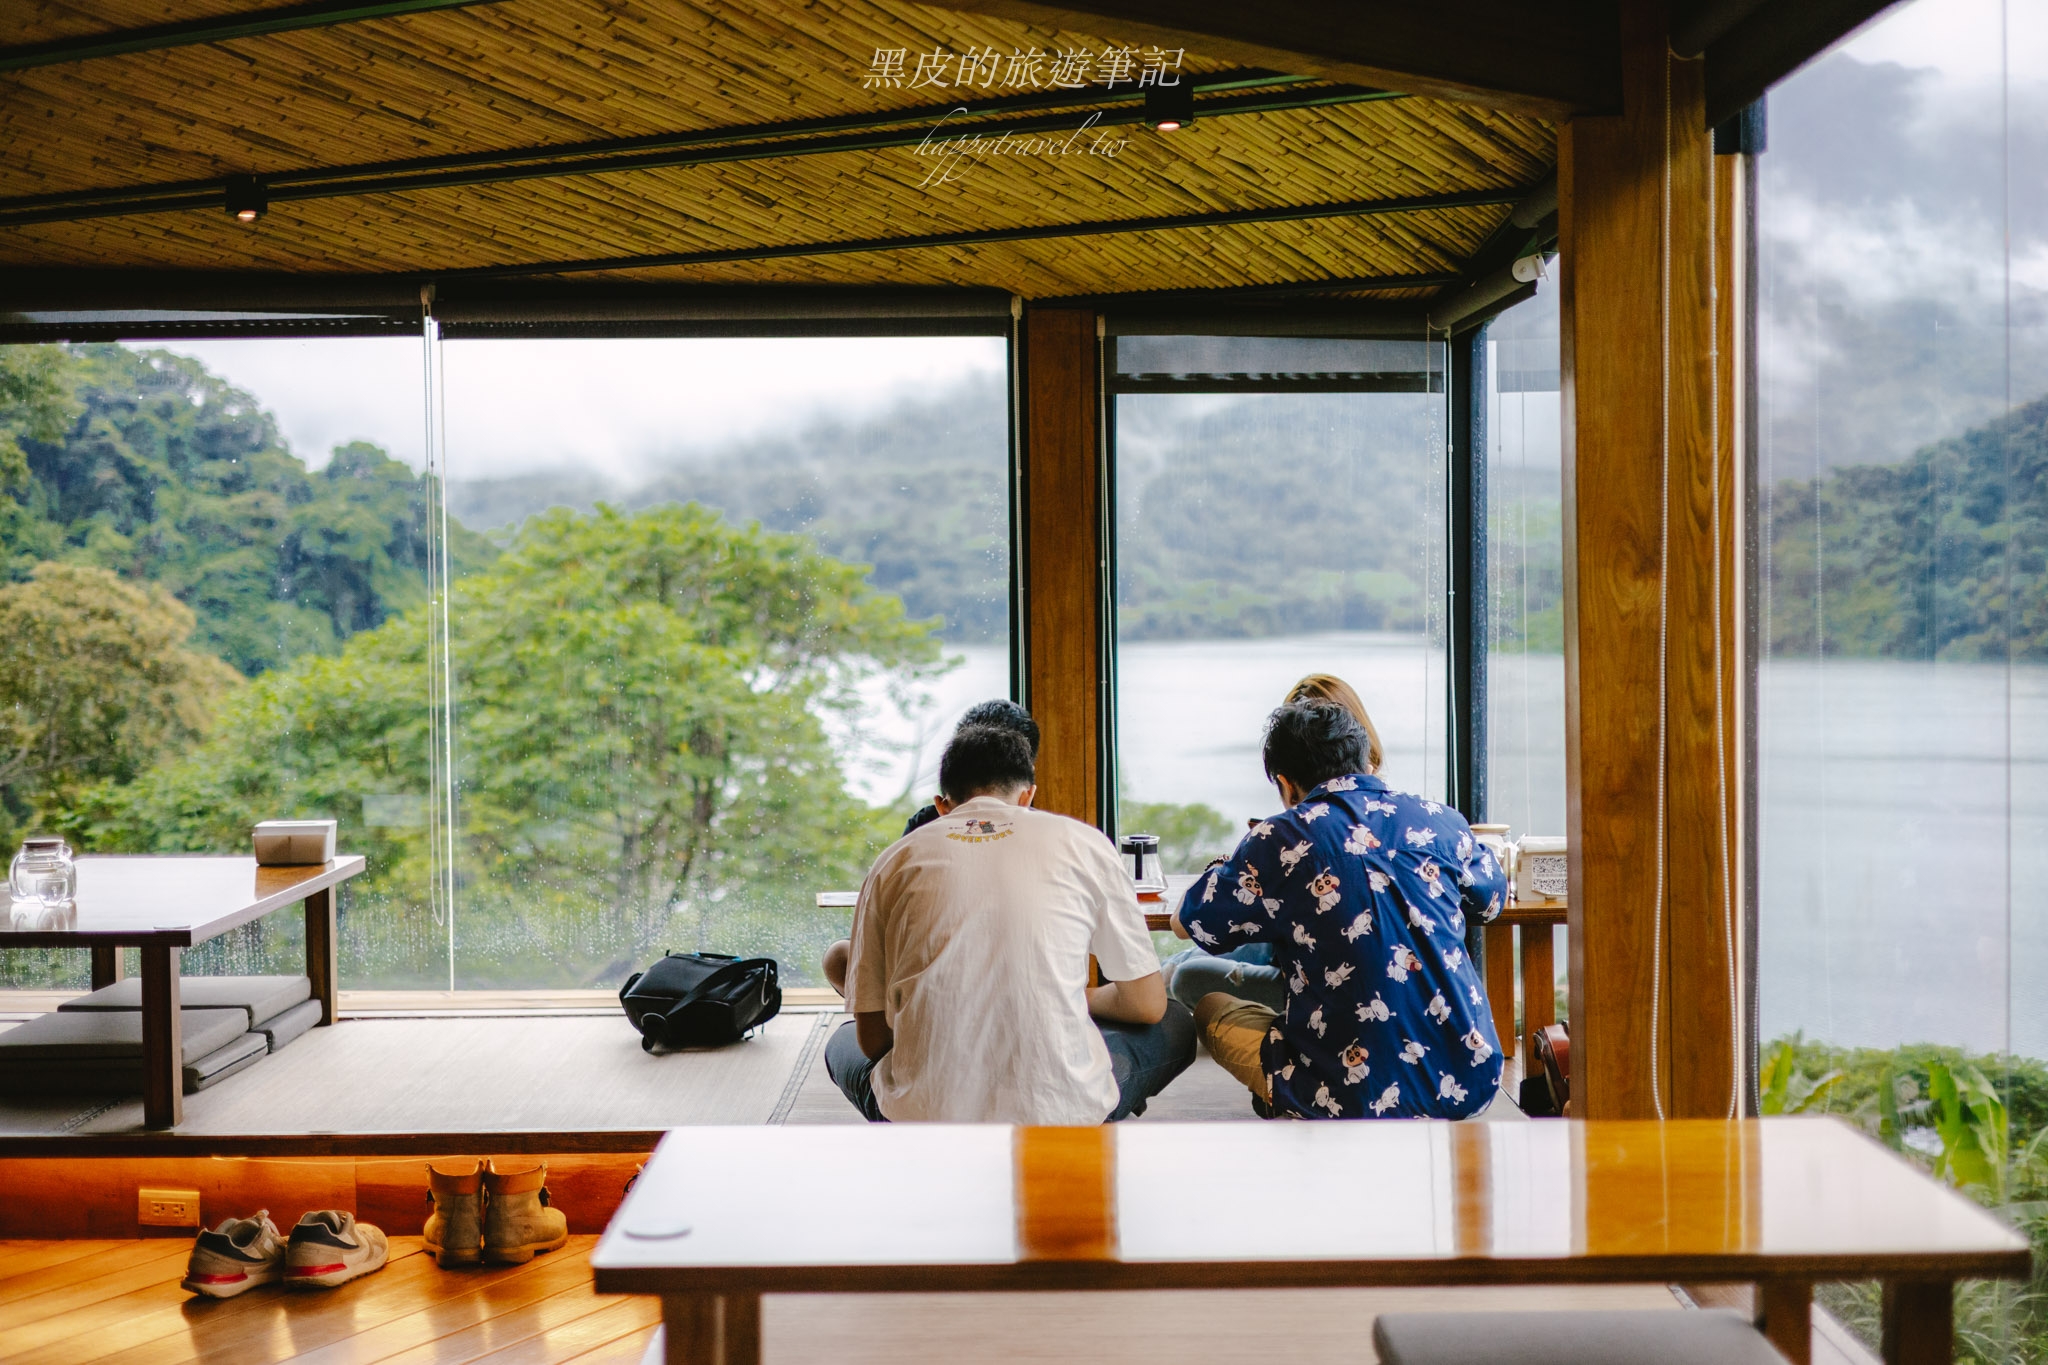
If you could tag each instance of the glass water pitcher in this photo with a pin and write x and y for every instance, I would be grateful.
(1143, 851)
(43, 883)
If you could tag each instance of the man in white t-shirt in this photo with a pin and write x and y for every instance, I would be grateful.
(968, 978)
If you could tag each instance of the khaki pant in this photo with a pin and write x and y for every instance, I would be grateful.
(1234, 1029)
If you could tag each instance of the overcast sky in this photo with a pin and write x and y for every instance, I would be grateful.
(611, 406)
(1904, 215)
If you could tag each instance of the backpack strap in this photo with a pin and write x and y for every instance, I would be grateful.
(732, 971)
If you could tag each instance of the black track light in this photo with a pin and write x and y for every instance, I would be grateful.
(1170, 107)
(247, 198)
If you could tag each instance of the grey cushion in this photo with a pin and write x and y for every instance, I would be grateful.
(75, 1075)
(216, 1067)
(295, 1022)
(1643, 1337)
(260, 998)
(113, 1035)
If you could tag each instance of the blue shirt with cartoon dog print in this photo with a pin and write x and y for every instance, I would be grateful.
(1363, 893)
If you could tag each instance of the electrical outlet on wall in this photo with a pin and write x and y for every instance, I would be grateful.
(167, 1208)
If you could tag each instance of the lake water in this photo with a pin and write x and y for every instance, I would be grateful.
(1903, 826)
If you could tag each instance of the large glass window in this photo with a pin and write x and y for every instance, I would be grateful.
(213, 585)
(1279, 512)
(1903, 695)
(1523, 427)
(711, 608)
(726, 600)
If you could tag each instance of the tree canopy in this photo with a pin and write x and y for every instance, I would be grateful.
(640, 740)
(96, 684)
(143, 463)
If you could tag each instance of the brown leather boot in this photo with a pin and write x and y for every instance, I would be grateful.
(455, 1229)
(517, 1219)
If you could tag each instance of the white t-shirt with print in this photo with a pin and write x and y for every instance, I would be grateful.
(972, 937)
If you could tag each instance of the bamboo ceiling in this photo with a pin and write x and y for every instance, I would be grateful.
(552, 73)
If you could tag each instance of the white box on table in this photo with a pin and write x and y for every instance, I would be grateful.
(294, 843)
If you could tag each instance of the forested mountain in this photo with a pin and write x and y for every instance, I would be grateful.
(1241, 518)
(1941, 556)
(917, 492)
(1277, 514)
(143, 463)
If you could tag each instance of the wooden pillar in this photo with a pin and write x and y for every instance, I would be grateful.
(1063, 555)
(1649, 489)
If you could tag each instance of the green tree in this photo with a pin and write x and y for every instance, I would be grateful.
(646, 691)
(96, 683)
(144, 463)
(32, 404)
(640, 750)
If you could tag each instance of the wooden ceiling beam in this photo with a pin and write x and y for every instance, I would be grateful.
(219, 28)
(1771, 41)
(1551, 62)
(1287, 213)
(1227, 294)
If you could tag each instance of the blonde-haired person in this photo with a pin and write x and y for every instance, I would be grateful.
(1247, 972)
(1330, 687)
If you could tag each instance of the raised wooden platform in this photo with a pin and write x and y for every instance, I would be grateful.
(426, 1084)
(438, 1084)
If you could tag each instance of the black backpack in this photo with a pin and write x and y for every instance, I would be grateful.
(701, 999)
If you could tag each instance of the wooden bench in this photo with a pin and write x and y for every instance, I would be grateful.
(723, 1215)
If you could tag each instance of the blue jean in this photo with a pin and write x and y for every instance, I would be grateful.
(1144, 1058)
(1244, 972)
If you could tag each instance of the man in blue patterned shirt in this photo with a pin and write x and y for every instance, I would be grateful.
(1364, 894)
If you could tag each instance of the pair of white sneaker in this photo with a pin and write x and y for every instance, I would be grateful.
(326, 1248)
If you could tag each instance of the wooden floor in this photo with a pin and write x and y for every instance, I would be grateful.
(70, 1303)
(118, 1303)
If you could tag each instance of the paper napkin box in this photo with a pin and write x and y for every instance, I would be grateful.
(291, 843)
(1541, 868)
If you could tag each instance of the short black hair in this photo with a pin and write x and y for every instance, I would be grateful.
(984, 759)
(1310, 742)
(1004, 714)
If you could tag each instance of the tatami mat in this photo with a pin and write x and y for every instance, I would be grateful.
(559, 1073)
(551, 1073)
(1204, 1092)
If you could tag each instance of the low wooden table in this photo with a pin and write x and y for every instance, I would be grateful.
(724, 1215)
(1531, 922)
(164, 904)
(1159, 910)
